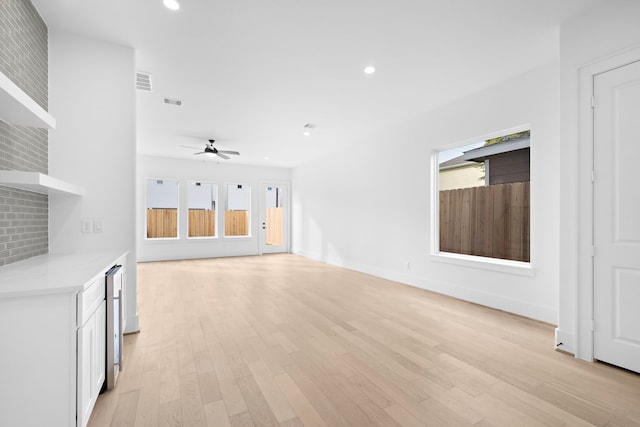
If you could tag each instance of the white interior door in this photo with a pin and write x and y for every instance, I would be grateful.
(617, 217)
(274, 218)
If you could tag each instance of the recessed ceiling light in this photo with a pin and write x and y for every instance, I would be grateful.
(171, 4)
(307, 133)
(370, 69)
(266, 157)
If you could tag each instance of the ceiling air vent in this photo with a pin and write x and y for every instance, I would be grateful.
(143, 81)
(172, 101)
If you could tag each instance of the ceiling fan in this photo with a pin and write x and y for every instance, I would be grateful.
(211, 151)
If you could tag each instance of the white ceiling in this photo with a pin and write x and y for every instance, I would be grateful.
(252, 73)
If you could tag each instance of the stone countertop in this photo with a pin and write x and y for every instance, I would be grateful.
(55, 273)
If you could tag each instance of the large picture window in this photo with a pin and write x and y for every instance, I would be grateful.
(162, 209)
(237, 210)
(483, 189)
(201, 203)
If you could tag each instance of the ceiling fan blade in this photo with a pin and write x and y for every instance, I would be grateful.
(202, 152)
(222, 155)
(229, 152)
(188, 146)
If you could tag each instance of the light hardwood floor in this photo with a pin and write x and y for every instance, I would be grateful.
(283, 340)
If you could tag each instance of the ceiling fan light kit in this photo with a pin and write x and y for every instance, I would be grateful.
(211, 151)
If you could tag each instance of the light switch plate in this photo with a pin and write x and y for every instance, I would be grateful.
(98, 226)
(86, 225)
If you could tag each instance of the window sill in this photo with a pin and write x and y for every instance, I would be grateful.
(161, 239)
(493, 264)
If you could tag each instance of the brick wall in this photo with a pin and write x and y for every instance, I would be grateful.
(24, 216)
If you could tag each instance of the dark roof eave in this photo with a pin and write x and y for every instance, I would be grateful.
(482, 153)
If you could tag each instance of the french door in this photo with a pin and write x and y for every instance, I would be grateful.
(274, 218)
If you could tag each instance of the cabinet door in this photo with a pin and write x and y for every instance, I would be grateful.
(86, 344)
(91, 363)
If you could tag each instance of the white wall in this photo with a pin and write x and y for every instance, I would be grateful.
(368, 207)
(91, 95)
(584, 40)
(202, 171)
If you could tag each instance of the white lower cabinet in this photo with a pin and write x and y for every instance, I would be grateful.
(91, 363)
(53, 338)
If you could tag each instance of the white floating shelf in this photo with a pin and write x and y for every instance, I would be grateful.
(17, 108)
(38, 183)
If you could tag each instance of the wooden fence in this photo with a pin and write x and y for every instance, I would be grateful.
(274, 226)
(491, 221)
(236, 223)
(162, 223)
(202, 223)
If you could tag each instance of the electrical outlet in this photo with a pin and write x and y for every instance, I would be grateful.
(86, 225)
(98, 226)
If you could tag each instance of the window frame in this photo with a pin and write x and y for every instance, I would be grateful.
(249, 219)
(215, 215)
(487, 263)
(146, 208)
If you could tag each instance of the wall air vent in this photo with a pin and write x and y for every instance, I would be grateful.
(143, 81)
(172, 101)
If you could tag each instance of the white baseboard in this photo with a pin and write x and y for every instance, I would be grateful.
(565, 341)
(179, 256)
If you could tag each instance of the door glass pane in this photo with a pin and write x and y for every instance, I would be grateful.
(236, 214)
(201, 200)
(274, 216)
(162, 208)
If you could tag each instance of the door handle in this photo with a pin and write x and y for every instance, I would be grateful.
(120, 331)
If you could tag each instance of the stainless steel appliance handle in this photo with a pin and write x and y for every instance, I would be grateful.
(119, 298)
